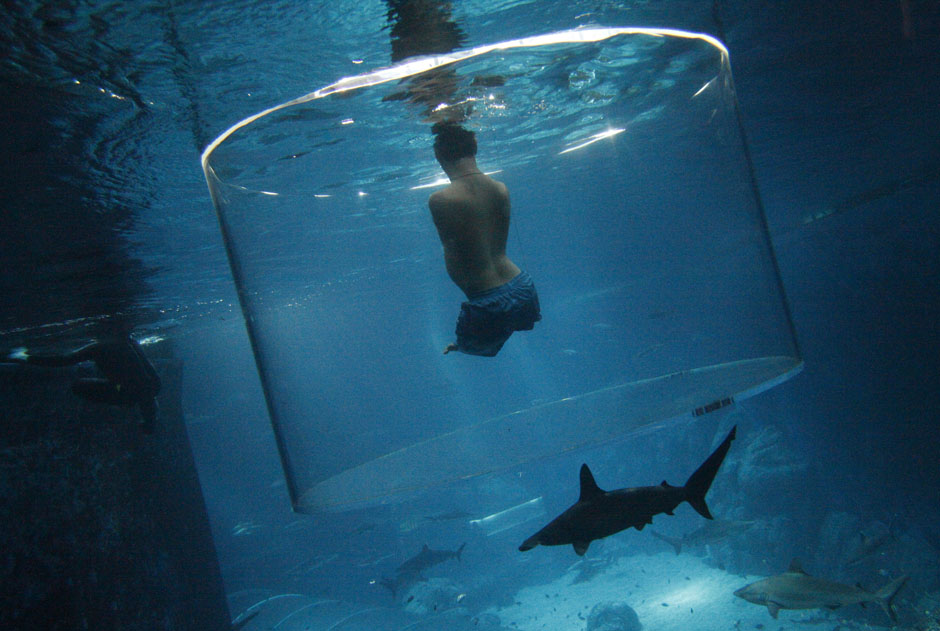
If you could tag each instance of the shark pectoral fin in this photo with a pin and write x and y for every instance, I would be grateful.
(580, 547)
(774, 609)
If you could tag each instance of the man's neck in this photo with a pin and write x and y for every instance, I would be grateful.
(462, 168)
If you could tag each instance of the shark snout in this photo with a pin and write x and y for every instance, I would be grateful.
(751, 595)
(744, 593)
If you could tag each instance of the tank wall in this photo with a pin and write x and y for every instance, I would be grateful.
(103, 527)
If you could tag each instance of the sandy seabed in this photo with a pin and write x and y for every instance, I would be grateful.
(668, 593)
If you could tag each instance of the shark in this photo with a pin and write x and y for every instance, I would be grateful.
(795, 589)
(709, 532)
(410, 572)
(598, 513)
(400, 582)
(428, 558)
(867, 546)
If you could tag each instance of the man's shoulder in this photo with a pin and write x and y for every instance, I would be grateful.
(441, 205)
(439, 195)
(443, 198)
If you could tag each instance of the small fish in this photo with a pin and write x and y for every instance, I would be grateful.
(452, 515)
(374, 560)
(245, 528)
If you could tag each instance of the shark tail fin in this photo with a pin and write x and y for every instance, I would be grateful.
(886, 594)
(699, 482)
(459, 550)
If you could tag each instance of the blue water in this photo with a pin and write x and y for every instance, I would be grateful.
(107, 216)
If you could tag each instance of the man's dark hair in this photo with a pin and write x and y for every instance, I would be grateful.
(452, 142)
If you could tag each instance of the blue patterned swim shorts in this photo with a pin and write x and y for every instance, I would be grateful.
(488, 318)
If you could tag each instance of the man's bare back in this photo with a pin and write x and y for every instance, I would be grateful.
(472, 220)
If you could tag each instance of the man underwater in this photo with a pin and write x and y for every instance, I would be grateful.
(472, 220)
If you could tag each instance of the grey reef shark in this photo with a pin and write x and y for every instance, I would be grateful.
(795, 589)
(710, 532)
(428, 558)
(868, 545)
(411, 571)
(598, 513)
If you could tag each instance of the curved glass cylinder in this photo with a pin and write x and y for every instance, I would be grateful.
(634, 209)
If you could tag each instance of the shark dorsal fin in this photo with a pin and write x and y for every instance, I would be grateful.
(589, 488)
(796, 567)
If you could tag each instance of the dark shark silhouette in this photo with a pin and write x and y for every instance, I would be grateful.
(709, 532)
(868, 545)
(411, 571)
(428, 558)
(599, 513)
(401, 582)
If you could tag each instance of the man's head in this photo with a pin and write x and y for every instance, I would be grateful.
(452, 142)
